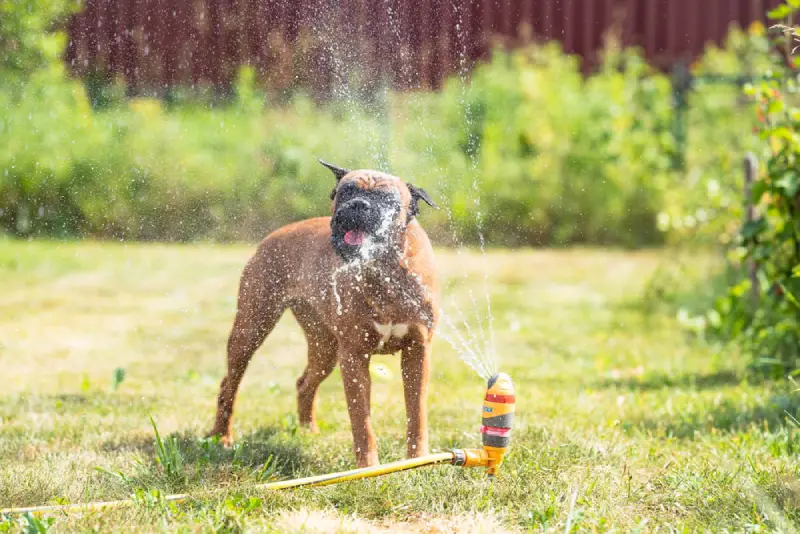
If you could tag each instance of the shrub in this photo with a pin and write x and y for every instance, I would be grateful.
(559, 158)
(765, 319)
(25, 39)
(140, 171)
(768, 319)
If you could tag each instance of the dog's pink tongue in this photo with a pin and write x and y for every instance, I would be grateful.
(354, 237)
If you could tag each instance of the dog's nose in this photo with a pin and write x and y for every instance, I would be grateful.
(358, 205)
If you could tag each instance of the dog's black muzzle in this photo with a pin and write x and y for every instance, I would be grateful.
(370, 215)
(357, 214)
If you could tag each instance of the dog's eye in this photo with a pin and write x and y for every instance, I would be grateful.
(345, 190)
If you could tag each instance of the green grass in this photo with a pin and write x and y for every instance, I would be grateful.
(624, 422)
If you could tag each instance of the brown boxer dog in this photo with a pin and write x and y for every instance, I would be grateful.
(360, 282)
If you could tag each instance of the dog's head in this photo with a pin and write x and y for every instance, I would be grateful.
(370, 212)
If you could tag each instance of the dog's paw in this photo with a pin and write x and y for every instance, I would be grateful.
(226, 440)
(367, 460)
(311, 428)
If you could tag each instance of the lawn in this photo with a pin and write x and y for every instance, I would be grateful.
(624, 421)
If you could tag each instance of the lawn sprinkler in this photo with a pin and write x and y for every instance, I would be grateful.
(498, 414)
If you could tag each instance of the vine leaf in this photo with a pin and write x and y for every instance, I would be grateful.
(752, 228)
(789, 183)
(780, 12)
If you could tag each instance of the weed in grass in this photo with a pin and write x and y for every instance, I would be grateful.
(86, 385)
(168, 454)
(150, 499)
(27, 523)
(267, 471)
(114, 474)
(118, 378)
(290, 424)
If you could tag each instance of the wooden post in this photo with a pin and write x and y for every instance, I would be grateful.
(750, 173)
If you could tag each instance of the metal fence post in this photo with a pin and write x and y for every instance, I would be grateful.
(681, 85)
(750, 173)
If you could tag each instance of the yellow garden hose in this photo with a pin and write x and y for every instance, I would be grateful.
(498, 413)
(318, 480)
(364, 472)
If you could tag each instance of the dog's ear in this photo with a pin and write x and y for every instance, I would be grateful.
(338, 172)
(417, 194)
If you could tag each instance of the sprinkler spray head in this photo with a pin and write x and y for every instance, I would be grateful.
(498, 414)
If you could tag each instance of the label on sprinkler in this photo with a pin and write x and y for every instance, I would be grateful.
(503, 399)
(495, 431)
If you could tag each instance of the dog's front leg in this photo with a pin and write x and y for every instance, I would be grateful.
(355, 375)
(416, 365)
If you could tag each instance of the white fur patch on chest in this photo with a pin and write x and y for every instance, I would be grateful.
(388, 331)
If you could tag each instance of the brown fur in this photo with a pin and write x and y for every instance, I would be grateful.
(293, 268)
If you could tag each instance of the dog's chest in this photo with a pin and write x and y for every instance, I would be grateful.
(395, 306)
(390, 332)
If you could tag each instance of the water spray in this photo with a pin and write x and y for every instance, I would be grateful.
(498, 415)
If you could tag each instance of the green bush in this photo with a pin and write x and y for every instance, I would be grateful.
(528, 152)
(25, 39)
(139, 171)
(756, 297)
(556, 158)
(766, 318)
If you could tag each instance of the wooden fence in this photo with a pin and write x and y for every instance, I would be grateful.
(155, 44)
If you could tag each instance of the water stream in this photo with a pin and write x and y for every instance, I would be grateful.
(470, 333)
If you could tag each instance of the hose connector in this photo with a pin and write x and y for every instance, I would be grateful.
(470, 457)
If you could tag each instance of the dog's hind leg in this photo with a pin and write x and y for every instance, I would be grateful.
(259, 308)
(322, 359)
